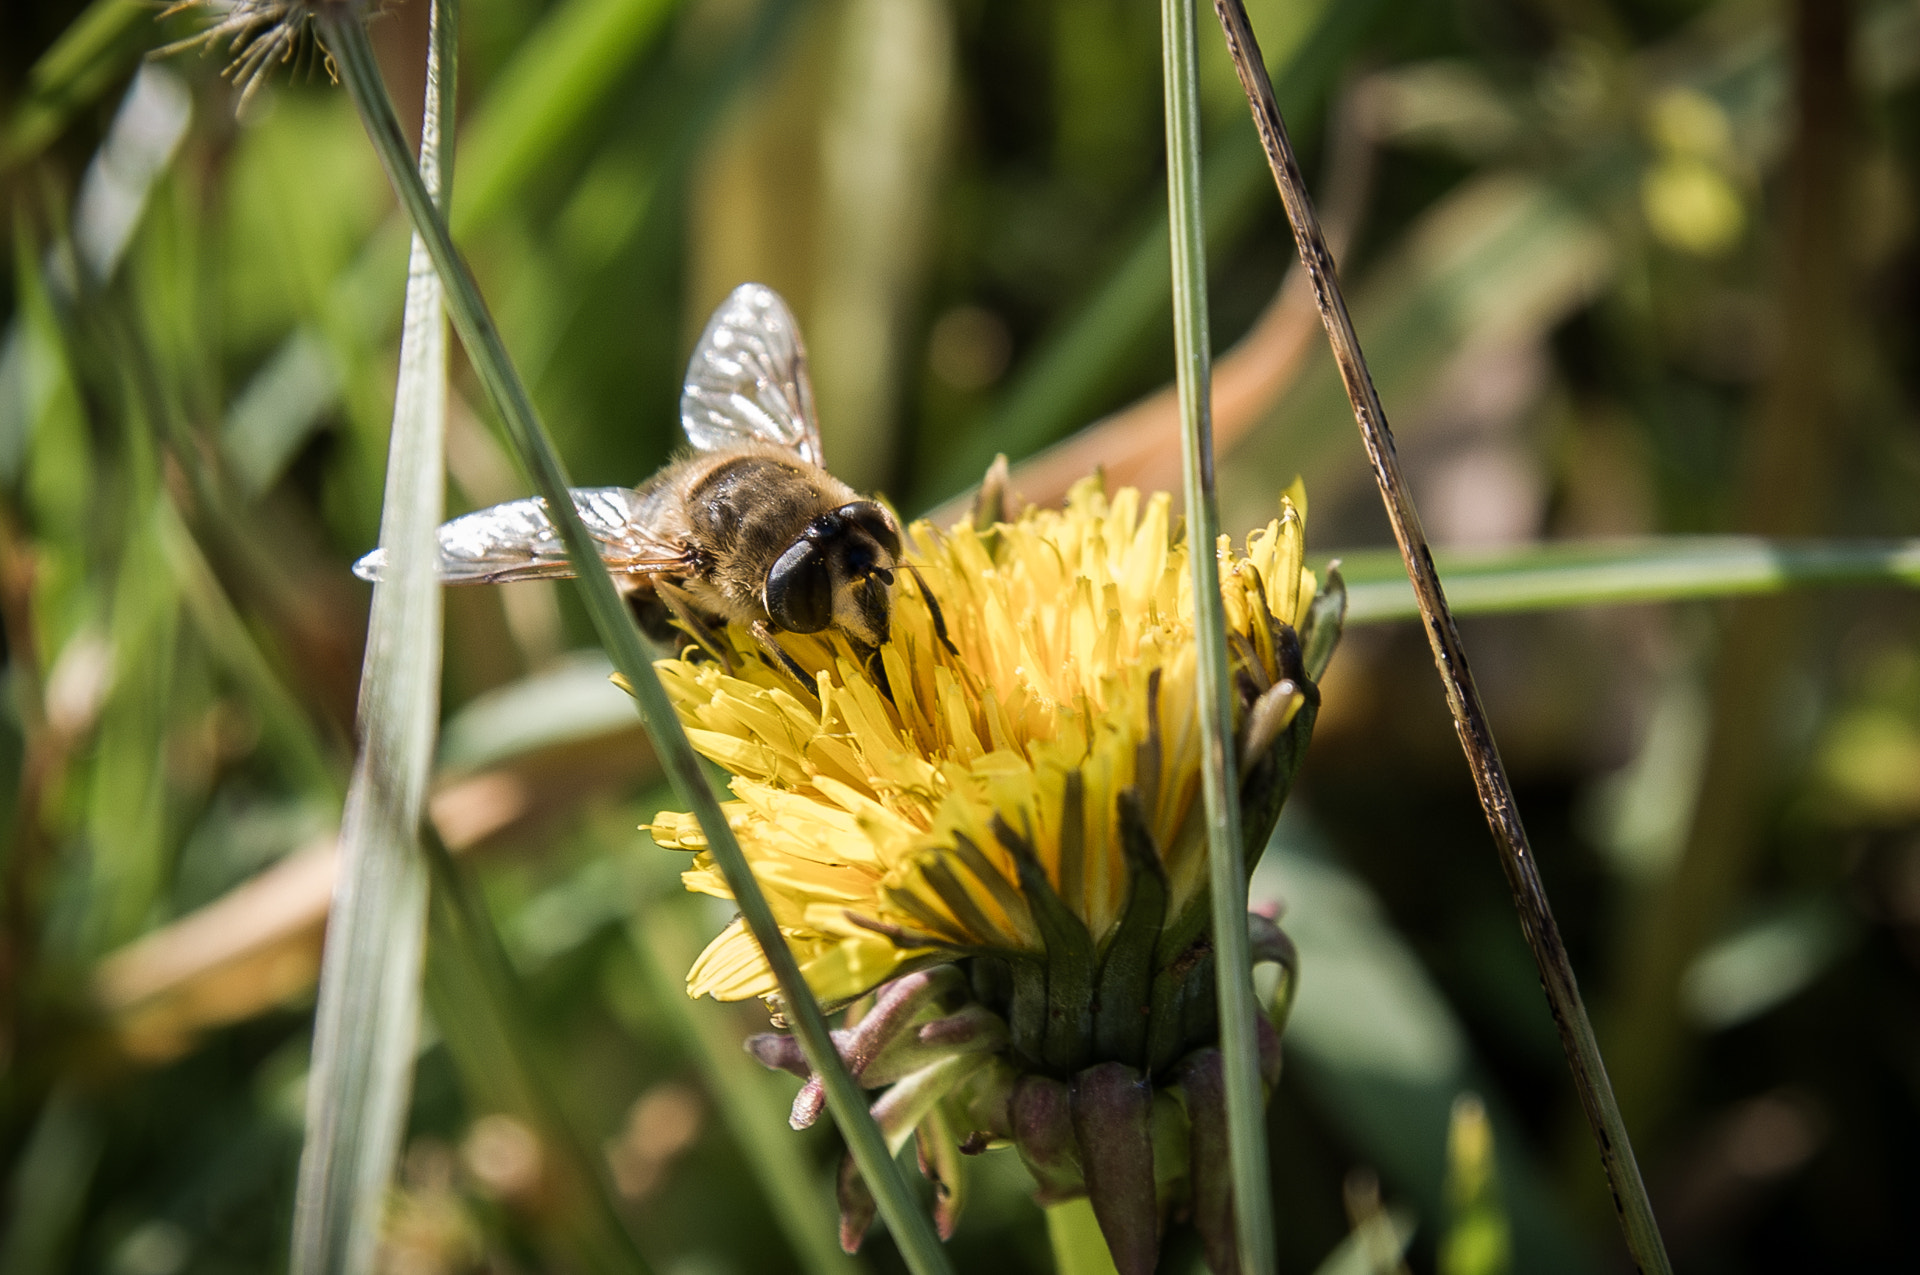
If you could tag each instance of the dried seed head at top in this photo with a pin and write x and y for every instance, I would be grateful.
(259, 35)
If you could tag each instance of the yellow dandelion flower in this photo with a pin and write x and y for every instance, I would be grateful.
(983, 791)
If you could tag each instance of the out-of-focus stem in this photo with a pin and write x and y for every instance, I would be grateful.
(1139, 445)
(664, 942)
(1790, 460)
(1450, 657)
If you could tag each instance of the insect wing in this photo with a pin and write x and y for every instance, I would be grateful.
(518, 541)
(747, 381)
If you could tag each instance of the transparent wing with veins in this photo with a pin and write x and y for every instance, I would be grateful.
(747, 381)
(517, 541)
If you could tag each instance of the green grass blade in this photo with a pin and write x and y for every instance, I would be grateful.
(232, 645)
(665, 945)
(347, 41)
(1226, 864)
(366, 1024)
(1638, 1225)
(480, 1008)
(85, 62)
(1059, 386)
(1546, 577)
(52, 1174)
(561, 73)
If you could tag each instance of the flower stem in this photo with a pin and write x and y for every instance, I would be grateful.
(1074, 1235)
(1642, 1232)
(346, 39)
(1239, 1045)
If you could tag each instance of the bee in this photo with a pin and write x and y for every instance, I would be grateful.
(749, 527)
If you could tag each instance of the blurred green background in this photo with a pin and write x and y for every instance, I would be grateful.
(1622, 267)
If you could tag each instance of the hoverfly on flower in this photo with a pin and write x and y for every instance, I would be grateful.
(747, 529)
(989, 840)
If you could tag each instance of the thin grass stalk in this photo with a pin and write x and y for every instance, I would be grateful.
(367, 1021)
(345, 36)
(1637, 1222)
(1226, 861)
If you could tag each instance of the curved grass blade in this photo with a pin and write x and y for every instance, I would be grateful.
(1226, 859)
(346, 40)
(1577, 573)
(1637, 1222)
(366, 1023)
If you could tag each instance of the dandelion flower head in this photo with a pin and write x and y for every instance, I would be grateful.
(907, 814)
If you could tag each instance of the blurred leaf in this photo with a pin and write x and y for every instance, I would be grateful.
(1360, 1252)
(1476, 1240)
(1765, 962)
(128, 808)
(301, 199)
(233, 646)
(94, 49)
(481, 1011)
(561, 73)
(146, 131)
(573, 701)
(51, 1179)
(278, 410)
(42, 419)
(1379, 1048)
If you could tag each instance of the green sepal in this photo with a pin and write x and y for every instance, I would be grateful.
(1069, 948)
(1126, 973)
(1320, 632)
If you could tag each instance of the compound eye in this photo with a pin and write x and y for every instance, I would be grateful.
(800, 590)
(873, 520)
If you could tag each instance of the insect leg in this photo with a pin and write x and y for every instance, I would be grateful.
(679, 602)
(763, 633)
